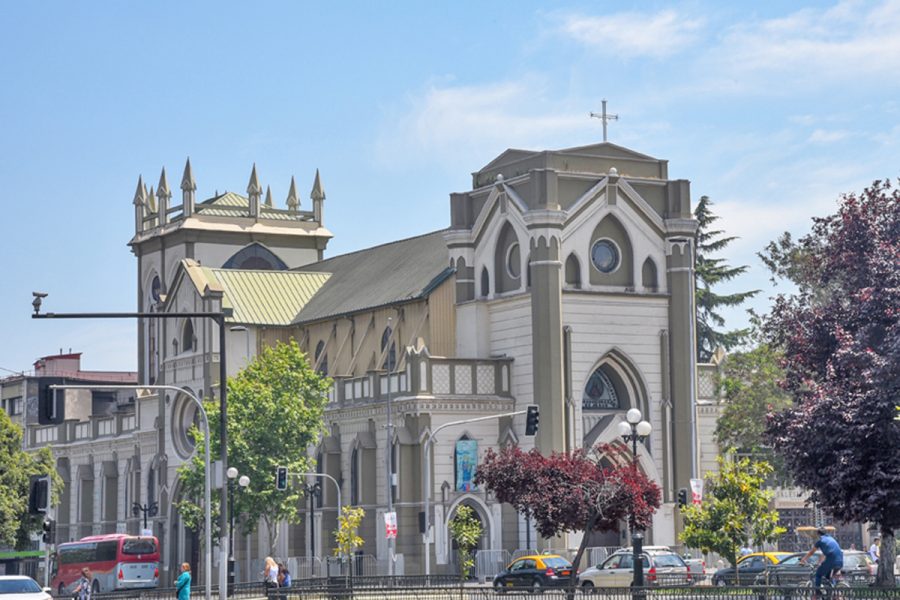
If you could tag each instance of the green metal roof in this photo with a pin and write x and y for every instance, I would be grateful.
(266, 297)
(230, 204)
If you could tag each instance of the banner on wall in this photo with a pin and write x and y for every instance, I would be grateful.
(390, 525)
(697, 491)
(466, 460)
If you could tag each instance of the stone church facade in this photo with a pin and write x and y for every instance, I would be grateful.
(564, 279)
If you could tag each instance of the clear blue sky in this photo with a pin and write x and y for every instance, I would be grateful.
(772, 109)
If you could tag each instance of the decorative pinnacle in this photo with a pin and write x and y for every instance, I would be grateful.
(318, 193)
(292, 201)
(163, 191)
(151, 201)
(187, 180)
(140, 194)
(268, 200)
(253, 188)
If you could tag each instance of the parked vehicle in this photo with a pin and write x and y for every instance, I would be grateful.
(661, 567)
(858, 570)
(749, 567)
(534, 572)
(696, 568)
(117, 562)
(22, 587)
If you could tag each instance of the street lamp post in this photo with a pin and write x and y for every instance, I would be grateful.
(635, 430)
(313, 491)
(243, 482)
(219, 319)
(150, 509)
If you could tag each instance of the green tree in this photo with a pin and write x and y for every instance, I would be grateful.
(750, 385)
(346, 536)
(16, 469)
(465, 530)
(275, 413)
(710, 272)
(735, 510)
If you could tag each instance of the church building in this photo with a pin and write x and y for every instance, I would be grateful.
(564, 279)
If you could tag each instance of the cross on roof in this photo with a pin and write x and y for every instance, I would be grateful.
(604, 117)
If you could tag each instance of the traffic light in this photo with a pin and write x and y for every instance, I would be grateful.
(49, 405)
(39, 494)
(49, 527)
(682, 497)
(532, 420)
(281, 477)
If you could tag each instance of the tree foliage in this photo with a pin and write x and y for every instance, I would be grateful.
(708, 273)
(840, 336)
(346, 536)
(275, 412)
(735, 510)
(750, 383)
(571, 491)
(16, 469)
(465, 530)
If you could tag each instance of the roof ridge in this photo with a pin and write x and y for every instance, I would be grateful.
(391, 243)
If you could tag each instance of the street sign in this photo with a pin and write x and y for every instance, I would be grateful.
(697, 491)
(390, 525)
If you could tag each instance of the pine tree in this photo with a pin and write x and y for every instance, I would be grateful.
(710, 272)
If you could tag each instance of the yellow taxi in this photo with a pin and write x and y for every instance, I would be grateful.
(749, 566)
(534, 572)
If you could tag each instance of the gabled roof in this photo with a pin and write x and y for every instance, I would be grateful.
(231, 204)
(257, 297)
(394, 272)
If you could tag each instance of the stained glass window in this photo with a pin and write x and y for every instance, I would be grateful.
(599, 393)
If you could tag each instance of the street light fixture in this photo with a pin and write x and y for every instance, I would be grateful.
(151, 509)
(635, 430)
(243, 481)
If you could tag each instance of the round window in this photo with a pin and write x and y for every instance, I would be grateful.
(513, 261)
(605, 256)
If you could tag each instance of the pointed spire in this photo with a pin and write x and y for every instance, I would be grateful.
(151, 201)
(318, 192)
(254, 191)
(140, 194)
(139, 205)
(268, 200)
(317, 195)
(188, 187)
(293, 202)
(163, 193)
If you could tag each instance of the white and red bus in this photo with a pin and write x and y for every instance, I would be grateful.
(117, 561)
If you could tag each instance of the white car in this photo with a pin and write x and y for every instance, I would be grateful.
(21, 587)
(661, 567)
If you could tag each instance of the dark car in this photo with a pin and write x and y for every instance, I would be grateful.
(750, 565)
(858, 570)
(534, 573)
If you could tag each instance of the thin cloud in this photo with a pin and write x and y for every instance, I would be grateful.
(633, 34)
(827, 136)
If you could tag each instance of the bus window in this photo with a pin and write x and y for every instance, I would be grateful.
(139, 546)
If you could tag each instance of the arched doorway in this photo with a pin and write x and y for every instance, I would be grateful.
(484, 543)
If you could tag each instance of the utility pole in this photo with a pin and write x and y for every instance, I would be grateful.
(389, 447)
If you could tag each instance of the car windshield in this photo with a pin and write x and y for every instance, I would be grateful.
(668, 560)
(139, 546)
(557, 563)
(792, 560)
(19, 586)
(853, 561)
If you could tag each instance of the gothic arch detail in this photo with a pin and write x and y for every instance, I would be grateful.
(573, 271)
(609, 239)
(507, 261)
(649, 277)
(257, 257)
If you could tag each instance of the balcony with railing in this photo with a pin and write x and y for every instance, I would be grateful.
(429, 377)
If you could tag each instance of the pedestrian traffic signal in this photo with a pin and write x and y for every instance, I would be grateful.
(39, 494)
(49, 527)
(532, 420)
(281, 477)
(682, 497)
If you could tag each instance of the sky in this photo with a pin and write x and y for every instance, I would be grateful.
(772, 109)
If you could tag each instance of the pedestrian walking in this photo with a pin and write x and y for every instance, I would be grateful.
(183, 583)
(875, 549)
(270, 574)
(284, 576)
(84, 589)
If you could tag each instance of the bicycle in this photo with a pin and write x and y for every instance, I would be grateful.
(831, 588)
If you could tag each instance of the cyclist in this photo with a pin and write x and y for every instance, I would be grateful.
(833, 556)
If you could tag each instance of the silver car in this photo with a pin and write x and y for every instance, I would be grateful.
(661, 567)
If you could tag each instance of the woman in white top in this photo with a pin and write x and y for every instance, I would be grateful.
(270, 572)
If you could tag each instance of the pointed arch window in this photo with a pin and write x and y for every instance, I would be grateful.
(599, 393)
(323, 362)
(390, 358)
(354, 477)
(256, 257)
(485, 283)
(187, 336)
(573, 271)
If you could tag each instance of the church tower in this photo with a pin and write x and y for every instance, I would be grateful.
(227, 230)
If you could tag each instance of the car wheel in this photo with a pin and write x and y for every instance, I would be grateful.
(499, 587)
(537, 587)
(587, 587)
(719, 583)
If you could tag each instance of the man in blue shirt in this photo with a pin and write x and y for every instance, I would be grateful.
(832, 553)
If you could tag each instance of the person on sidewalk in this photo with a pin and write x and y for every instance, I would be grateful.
(183, 583)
